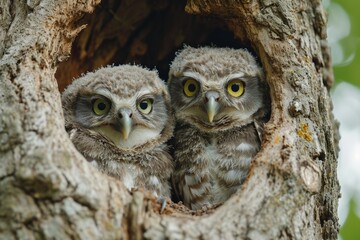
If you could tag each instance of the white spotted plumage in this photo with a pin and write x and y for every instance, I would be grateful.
(220, 100)
(120, 118)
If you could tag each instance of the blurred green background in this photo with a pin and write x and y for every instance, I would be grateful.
(350, 72)
(344, 39)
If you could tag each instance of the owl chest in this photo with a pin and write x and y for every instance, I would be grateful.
(225, 166)
(128, 174)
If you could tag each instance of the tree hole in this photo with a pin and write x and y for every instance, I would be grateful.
(145, 32)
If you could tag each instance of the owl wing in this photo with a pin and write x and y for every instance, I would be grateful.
(157, 166)
(259, 126)
(260, 118)
(191, 189)
(176, 182)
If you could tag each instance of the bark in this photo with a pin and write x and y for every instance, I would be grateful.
(47, 189)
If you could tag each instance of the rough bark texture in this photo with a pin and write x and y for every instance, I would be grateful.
(47, 189)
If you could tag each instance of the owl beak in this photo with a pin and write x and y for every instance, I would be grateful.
(125, 122)
(211, 104)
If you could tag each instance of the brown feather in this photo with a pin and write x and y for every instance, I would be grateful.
(212, 159)
(147, 164)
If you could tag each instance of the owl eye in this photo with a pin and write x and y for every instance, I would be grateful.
(101, 106)
(235, 88)
(191, 87)
(145, 106)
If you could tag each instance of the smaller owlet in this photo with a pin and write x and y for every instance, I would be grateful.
(119, 118)
(220, 100)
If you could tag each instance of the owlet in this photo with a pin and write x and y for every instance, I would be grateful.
(221, 103)
(119, 118)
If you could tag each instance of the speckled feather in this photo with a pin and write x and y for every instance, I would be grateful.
(212, 160)
(147, 164)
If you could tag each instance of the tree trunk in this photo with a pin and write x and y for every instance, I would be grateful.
(48, 190)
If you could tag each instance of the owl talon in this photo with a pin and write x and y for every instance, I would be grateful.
(162, 201)
(206, 207)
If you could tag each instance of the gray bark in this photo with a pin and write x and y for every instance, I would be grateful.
(48, 191)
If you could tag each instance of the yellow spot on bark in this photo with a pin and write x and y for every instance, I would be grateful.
(304, 132)
(277, 139)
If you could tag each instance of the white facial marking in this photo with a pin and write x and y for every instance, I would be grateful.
(193, 75)
(138, 136)
(235, 75)
(119, 101)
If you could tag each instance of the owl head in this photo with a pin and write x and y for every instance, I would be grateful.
(216, 89)
(126, 106)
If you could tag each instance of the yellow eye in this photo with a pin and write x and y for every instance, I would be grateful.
(145, 106)
(235, 88)
(191, 87)
(101, 106)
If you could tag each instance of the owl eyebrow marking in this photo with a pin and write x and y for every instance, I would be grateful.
(146, 96)
(143, 92)
(235, 75)
(103, 91)
(194, 75)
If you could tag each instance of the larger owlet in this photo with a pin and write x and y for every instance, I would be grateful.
(119, 118)
(221, 102)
